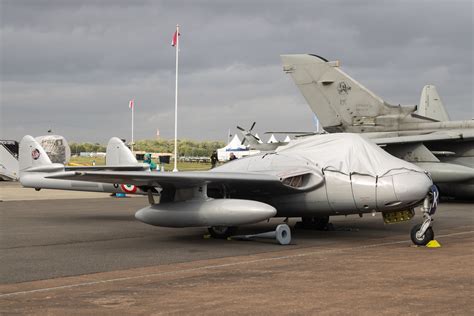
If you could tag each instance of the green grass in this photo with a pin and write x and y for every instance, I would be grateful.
(188, 166)
(182, 166)
(87, 161)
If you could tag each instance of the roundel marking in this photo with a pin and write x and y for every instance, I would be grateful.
(35, 154)
(128, 188)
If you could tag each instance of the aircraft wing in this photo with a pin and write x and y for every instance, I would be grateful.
(436, 136)
(244, 183)
(137, 167)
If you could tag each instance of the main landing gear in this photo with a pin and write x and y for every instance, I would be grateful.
(317, 223)
(422, 234)
(222, 232)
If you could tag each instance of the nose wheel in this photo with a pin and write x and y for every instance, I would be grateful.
(422, 234)
(421, 239)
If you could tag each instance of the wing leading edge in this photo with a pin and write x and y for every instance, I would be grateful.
(249, 182)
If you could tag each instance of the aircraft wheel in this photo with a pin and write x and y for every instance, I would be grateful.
(318, 223)
(222, 232)
(426, 238)
(321, 223)
(306, 222)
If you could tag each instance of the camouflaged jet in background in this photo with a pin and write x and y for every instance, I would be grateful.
(423, 134)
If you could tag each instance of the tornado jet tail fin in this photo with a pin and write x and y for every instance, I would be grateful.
(32, 155)
(431, 105)
(337, 99)
(118, 154)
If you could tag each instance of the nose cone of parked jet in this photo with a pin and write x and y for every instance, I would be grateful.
(411, 187)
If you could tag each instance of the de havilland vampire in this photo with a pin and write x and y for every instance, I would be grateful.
(422, 134)
(314, 177)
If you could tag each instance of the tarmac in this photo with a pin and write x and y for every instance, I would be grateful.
(86, 254)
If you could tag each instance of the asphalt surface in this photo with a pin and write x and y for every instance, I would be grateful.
(91, 255)
(56, 238)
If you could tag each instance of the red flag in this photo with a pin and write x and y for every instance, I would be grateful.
(130, 104)
(174, 41)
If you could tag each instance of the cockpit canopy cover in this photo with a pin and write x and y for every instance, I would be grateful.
(348, 154)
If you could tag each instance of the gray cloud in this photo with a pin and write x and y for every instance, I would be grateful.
(73, 65)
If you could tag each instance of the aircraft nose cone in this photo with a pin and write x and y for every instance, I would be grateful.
(412, 186)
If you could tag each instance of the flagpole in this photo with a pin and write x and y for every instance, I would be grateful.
(133, 110)
(176, 105)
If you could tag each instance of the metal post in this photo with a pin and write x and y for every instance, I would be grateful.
(133, 110)
(176, 105)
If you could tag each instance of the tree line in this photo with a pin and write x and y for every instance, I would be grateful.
(185, 147)
(77, 148)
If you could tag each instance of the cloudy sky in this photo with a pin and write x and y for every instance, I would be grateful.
(73, 65)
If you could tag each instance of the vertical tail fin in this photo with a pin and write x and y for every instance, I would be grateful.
(337, 99)
(31, 154)
(431, 105)
(118, 154)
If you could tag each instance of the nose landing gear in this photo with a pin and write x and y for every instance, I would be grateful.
(422, 234)
(419, 238)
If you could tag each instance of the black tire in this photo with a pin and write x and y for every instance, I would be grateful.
(306, 223)
(307, 220)
(321, 223)
(222, 232)
(427, 237)
(317, 223)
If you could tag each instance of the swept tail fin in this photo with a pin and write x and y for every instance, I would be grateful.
(118, 158)
(338, 100)
(431, 105)
(118, 154)
(32, 155)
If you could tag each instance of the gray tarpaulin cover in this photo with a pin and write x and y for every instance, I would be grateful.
(346, 153)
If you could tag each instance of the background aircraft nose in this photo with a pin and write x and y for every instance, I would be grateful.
(411, 186)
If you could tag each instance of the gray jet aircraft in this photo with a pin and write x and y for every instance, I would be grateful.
(422, 134)
(313, 178)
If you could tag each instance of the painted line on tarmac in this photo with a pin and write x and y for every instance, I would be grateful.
(221, 266)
